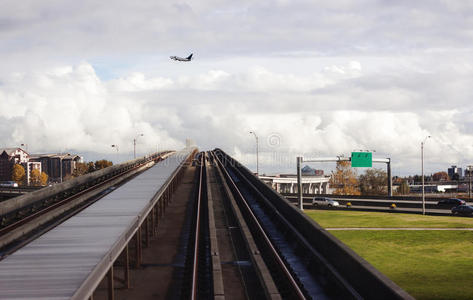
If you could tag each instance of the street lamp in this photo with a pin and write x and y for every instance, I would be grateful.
(134, 144)
(422, 160)
(25, 145)
(257, 150)
(469, 181)
(116, 148)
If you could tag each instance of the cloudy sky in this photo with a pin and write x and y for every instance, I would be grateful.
(312, 78)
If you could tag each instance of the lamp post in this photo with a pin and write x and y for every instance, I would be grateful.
(25, 145)
(422, 162)
(257, 150)
(116, 148)
(134, 144)
(469, 181)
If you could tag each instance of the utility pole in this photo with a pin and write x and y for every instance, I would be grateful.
(469, 182)
(257, 151)
(299, 182)
(422, 162)
(134, 144)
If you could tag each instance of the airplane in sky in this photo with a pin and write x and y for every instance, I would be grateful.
(189, 58)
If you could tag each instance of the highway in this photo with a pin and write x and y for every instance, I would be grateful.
(382, 205)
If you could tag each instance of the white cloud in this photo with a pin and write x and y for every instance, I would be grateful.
(312, 77)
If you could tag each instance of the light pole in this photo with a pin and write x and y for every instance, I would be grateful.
(469, 181)
(422, 161)
(257, 150)
(134, 144)
(25, 145)
(116, 148)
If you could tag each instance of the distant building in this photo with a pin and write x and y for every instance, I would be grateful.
(306, 170)
(8, 158)
(287, 183)
(56, 165)
(455, 173)
(30, 166)
(469, 172)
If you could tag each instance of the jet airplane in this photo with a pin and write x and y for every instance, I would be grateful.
(189, 58)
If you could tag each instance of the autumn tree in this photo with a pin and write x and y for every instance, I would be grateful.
(373, 182)
(344, 179)
(404, 188)
(18, 174)
(43, 178)
(81, 169)
(35, 177)
(101, 164)
(440, 176)
(89, 167)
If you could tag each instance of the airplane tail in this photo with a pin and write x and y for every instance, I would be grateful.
(190, 56)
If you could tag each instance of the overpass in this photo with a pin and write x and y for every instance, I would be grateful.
(163, 227)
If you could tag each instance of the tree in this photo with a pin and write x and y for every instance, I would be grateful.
(404, 188)
(344, 179)
(89, 167)
(35, 177)
(43, 178)
(18, 174)
(440, 176)
(373, 182)
(101, 164)
(81, 169)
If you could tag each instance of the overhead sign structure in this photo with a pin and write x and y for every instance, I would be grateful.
(361, 159)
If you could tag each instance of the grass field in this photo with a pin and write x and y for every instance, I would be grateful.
(427, 264)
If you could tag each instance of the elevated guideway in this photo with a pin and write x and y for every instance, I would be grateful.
(71, 260)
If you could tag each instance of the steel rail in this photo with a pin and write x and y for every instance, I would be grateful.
(274, 252)
(195, 267)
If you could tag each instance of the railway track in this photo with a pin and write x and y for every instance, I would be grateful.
(244, 246)
(26, 217)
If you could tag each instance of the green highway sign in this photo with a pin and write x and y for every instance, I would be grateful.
(361, 159)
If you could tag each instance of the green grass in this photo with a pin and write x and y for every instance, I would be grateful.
(346, 218)
(427, 264)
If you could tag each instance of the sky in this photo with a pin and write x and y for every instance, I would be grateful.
(310, 78)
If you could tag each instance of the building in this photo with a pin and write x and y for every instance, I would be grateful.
(455, 173)
(30, 166)
(287, 184)
(308, 171)
(57, 166)
(8, 158)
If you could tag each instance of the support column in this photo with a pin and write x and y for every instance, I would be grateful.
(138, 248)
(147, 231)
(126, 267)
(111, 294)
(390, 179)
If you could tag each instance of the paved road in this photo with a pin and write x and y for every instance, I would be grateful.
(398, 228)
